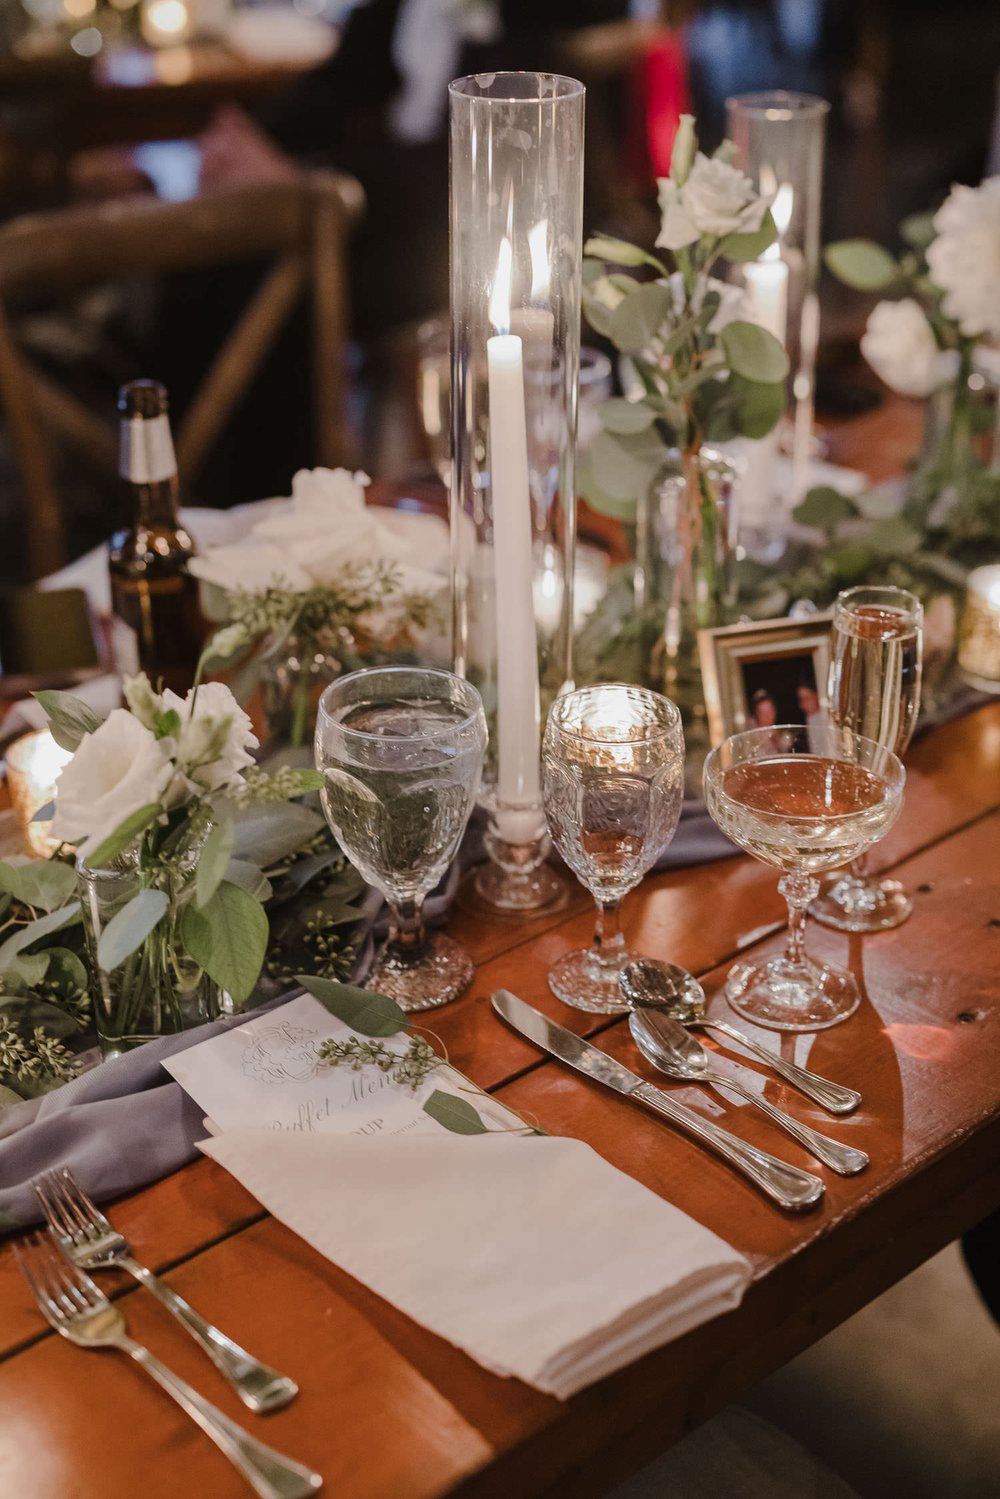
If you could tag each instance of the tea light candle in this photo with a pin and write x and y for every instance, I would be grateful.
(33, 766)
(979, 644)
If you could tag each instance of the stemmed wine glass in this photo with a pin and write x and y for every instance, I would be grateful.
(613, 783)
(874, 690)
(401, 750)
(804, 800)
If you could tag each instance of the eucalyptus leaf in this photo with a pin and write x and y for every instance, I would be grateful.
(44, 883)
(455, 1114)
(126, 833)
(740, 248)
(625, 417)
(620, 252)
(918, 231)
(364, 1011)
(757, 408)
(862, 264)
(214, 861)
(249, 878)
(128, 928)
(269, 833)
(890, 537)
(36, 930)
(303, 870)
(624, 467)
(45, 813)
(228, 938)
(27, 969)
(65, 969)
(70, 719)
(597, 499)
(643, 315)
(825, 508)
(598, 314)
(30, 1010)
(754, 353)
(851, 562)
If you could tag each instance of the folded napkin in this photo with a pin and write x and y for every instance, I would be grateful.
(531, 1254)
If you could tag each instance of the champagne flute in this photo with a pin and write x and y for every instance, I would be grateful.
(874, 690)
(401, 750)
(805, 800)
(613, 783)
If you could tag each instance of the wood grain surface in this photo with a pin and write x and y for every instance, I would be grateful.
(388, 1411)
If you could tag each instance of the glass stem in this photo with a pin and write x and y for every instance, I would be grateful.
(609, 942)
(859, 867)
(406, 927)
(798, 890)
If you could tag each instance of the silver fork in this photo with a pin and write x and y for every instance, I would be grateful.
(72, 1304)
(90, 1241)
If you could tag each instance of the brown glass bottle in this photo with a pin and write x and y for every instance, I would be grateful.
(152, 591)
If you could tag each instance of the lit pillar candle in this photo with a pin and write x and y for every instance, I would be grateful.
(767, 284)
(518, 710)
(33, 766)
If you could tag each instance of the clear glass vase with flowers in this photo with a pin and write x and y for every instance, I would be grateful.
(151, 799)
(700, 371)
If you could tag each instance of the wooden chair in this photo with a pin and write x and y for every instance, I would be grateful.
(301, 224)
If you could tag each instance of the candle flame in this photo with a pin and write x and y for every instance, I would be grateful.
(781, 208)
(538, 249)
(500, 295)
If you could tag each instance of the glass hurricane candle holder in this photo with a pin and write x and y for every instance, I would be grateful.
(516, 255)
(33, 765)
(779, 139)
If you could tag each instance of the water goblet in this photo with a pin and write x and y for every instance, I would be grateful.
(875, 672)
(401, 749)
(804, 800)
(613, 783)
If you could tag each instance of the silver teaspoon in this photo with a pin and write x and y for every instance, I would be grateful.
(648, 983)
(664, 1042)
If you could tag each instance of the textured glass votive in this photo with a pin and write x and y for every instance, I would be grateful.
(33, 766)
(979, 642)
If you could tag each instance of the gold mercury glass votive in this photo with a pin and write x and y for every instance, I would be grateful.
(33, 766)
(979, 642)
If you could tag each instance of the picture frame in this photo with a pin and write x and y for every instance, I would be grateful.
(765, 671)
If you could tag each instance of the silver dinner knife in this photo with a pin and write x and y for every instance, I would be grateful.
(786, 1185)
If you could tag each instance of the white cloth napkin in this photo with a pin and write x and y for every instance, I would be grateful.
(532, 1254)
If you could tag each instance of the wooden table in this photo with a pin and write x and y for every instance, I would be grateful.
(388, 1411)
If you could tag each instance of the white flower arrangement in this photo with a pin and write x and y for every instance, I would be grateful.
(326, 565)
(899, 344)
(155, 789)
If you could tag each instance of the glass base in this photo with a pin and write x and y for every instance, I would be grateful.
(860, 905)
(591, 982)
(440, 970)
(522, 890)
(787, 996)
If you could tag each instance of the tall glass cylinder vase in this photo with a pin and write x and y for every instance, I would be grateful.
(779, 139)
(516, 252)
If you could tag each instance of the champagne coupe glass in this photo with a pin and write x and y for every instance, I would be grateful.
(401, 749)
(874, 690)
(805, 800)
(613, 782)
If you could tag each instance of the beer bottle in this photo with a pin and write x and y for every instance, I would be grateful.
(153, 595)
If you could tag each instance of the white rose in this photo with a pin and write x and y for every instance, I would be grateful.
(717, 199)
(964, 259)
(212, 747)
(900, 346)
(118, 769)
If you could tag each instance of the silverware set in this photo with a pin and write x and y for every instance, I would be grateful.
(81, 1238)
(660, 997)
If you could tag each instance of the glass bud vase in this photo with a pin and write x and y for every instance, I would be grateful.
(293, 676)
(684, 579)
(157, 990)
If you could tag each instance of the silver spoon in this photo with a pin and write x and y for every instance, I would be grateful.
(664, 1042)
(648, 983)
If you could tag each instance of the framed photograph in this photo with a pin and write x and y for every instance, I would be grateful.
(765, 672)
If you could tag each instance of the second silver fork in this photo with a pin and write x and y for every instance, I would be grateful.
(90, 1241)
